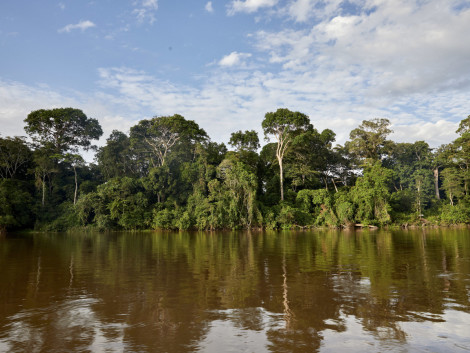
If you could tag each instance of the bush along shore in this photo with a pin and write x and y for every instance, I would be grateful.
(166, 173)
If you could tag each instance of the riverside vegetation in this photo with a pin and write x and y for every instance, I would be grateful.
(167, 174)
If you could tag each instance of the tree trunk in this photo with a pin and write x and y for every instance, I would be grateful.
(43, 190)
(76, 186)
(418, 204)
(436, 182)
(334, 184)
(281, 178)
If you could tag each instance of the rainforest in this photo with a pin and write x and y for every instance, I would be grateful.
(166, 173)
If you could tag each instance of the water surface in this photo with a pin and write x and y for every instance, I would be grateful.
(387, 291)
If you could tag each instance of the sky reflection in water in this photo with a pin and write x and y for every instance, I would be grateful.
(382, 291)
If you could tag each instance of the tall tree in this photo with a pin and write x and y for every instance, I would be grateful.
(369, 140)
(244, 141)
(452, 183)
(116, 158)
(312, 154)
(246, 145)
(462, 152)
(14, 155)
(284, 125)
(45, 166)
(62, 129)
(156, 137)
(75, 160)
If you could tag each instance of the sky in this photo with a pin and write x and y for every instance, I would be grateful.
(226, 63)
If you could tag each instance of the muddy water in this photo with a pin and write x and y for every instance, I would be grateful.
(387, 291)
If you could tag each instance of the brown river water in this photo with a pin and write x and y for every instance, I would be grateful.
(315, 291)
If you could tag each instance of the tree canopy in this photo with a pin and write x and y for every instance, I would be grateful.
(167, 174)
(284, 125)
(63, 129)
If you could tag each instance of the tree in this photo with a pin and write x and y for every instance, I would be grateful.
(15, 204)
(371, 194)
(462, 152)
(405, 159)
(284, 125)
(117, 158)
(452, 183)
(44, 167)
(311, 155)
(369, 140)
(14, 155)
(158, 136)
(246, 145)
(62, 129)
(442, 157)
(75, 161)
(422, 188)
(245, 141)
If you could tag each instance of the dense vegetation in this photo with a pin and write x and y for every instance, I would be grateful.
(168, 174)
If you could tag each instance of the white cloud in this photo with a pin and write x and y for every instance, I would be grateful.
(398, 46)
(407, 61)
(209, 7)
(61, 5)
(17, 100)
(82, 25)
(249, 6)
(301, 10)
(239, 100)
(234, 59)
(145, 11)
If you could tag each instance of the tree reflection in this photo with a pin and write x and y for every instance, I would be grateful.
(165, 291)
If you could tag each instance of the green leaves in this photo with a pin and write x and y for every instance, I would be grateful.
(14, 156)
(156, 138)
(369, 140)
(245, 141)
(63, 129)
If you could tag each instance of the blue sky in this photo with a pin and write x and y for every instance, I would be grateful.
(226, 63)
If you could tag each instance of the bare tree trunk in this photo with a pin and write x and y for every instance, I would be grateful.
(436, 182)
(281, 178)
(76, 186)
(334, 184)
(43, 190)
(418, 204)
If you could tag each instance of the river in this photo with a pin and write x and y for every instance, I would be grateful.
(312, 291)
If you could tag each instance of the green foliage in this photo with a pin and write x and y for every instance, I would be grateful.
(118, 159)
(16, 204)
(154, 139)
(62, 129)
(67, 219)
(457, 214)
(369, 140)
(344, 208)
(453, 184)
(168, 175)
(320, 205)
(371, 195)
(163, 219)
(284, 125)
(15, 156)
(291, 217)
(244, 141)
(127, 202)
